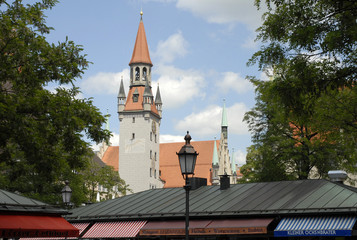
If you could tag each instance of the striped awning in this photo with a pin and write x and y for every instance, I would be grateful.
(315, 226)
(80, 226)
(120, 229)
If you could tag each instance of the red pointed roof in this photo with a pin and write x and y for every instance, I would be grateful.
(141, 49)
(130, 105)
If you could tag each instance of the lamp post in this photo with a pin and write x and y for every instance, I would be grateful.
(187, 158)
(66, 194)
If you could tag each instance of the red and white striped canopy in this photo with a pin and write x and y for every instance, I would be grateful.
(121, 229)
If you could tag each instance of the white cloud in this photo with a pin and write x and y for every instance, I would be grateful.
(114, 141)
(224, 11)
(178, 86)
(171, 138)
(233, 81)
(207, 123)
(105, 83)
(174, 46)
(250, 43)
(240, 157)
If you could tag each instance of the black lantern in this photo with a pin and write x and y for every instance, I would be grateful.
(187, 158)
(66, 194)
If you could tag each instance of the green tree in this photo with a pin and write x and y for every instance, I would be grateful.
(305, 116)
(104, 180)
(42, 131)
(294, 146)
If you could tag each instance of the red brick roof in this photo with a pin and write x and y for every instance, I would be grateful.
(130, 105)
(170, 168)
(169, 165)
(141, 49)
(111, 157)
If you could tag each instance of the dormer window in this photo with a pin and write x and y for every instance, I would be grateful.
(136, 95)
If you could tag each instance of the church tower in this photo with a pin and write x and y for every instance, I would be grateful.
(139, 117)
(224, 160)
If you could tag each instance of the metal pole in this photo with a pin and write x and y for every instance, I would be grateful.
(187, 188)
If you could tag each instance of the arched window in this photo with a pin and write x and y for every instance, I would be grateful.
(144, 73)
(137, 73)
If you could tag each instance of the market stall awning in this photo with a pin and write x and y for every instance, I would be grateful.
(207, 227)
(24, 226)
(120, 229)
(154, 228)
(315, 226)
(80, 226)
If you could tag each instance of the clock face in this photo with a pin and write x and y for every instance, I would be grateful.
(153, 127)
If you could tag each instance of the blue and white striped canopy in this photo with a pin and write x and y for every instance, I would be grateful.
(316, 226)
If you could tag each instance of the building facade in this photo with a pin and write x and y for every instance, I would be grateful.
(140, 117)
(143, 163)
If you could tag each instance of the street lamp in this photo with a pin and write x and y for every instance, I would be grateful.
(66, 194)
(187, 158)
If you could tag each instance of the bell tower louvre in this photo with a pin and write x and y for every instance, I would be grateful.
(140, 118)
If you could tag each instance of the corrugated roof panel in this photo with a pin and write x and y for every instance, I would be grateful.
(244, 200)
(263, 198)
(171, 204)
(159, 199)
(218, 203)
(350, 201)
(306, 196)
(339, 198)
(135, 203)
(318, 195)
(15, 199)
(326, 196)
(138, 202)
(205, 198)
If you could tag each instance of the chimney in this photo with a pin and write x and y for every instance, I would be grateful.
(196, 182)
(337, 176)
(224, 182)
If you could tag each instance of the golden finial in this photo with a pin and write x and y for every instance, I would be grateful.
(141, 13)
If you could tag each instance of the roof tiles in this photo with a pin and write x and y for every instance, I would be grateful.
(141, 49)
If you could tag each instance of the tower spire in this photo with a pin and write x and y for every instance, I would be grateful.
(224, 122)
(141, 49)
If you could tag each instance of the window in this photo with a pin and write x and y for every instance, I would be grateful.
(144, 73)
(155, 156)
(133, 136)
(155, 138)
(133, 119)
(137, 74)
(150, 154)
(155, 174)
(150, 172)
(150, 136)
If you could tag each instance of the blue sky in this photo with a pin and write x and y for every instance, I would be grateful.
(199, 50)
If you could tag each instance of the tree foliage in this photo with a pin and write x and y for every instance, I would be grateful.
(305, 117)
(42, 130)
(103, 180)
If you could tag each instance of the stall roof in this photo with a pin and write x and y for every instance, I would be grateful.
(11, 202)
(240, 200)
